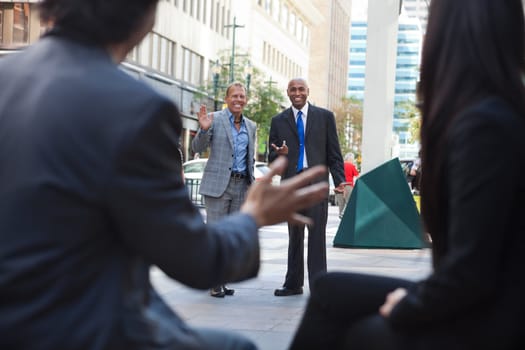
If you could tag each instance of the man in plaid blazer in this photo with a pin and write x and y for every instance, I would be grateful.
(229, 170)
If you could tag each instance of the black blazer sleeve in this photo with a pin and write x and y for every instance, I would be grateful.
(333, 154)
(273, 138)
(484, 176)
(151, 209)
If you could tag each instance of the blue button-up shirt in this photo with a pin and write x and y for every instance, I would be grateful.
(240, 146)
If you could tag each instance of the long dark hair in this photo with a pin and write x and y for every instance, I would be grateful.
(97, 21)
(472, 49)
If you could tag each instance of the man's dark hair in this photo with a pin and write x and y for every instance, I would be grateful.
(96, 21)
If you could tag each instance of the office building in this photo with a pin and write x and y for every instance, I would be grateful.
(418, 9)
(409, 40)
(329, 53)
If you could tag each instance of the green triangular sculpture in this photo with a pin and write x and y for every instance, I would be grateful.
(381, 212)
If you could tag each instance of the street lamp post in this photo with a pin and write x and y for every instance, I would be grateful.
(270, 83)
(248, 70)
(216, 70)
(232, 59)
(270, 96)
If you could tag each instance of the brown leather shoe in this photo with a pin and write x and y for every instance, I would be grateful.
(284, 292)
(217, 292)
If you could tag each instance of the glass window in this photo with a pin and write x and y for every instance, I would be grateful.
(306, 34)
(196, 69)
(172, 61)
(164, 55)
(299, 29)
(205, 11)
(144, 51)
(198, 11)
(291, 22)
(155, 59)
(223, 19)
(192, 67)
(1, 24)
(21, 23)
(268, 6)
(284, 16)
(186, 64)
(212, 16)
(217, 17)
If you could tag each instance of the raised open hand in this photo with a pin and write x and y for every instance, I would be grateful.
(205, 119)
(270, 204)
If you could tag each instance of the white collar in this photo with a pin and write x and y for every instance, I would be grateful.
(304, 110)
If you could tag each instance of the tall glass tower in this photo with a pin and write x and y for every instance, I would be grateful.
(409, 41)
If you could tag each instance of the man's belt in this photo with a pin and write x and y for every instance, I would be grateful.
(238, 175)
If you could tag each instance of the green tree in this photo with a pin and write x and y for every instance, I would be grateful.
(349, 123)
(265, 102)
(407, 110)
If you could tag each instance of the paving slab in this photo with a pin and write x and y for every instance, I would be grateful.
(271, 321)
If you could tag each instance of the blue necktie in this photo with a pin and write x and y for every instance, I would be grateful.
(300, 132)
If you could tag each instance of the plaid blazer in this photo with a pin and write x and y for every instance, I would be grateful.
(220, 140)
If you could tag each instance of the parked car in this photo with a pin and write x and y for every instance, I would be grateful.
(193, 170)
(261, 168)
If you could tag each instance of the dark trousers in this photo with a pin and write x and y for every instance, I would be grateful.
(316, 258)
(342, 313)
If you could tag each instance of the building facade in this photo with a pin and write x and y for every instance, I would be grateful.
(19, 24)
(189, 37)
(418, 9)
(409, 41)
(277, 36)
(329, 54)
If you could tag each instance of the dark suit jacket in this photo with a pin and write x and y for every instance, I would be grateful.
(321, 141)
(475, 295)
(91, 195)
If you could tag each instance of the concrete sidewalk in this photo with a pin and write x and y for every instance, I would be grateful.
(271, 321)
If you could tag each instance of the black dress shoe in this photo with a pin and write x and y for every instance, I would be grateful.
(217, 292)
(228, 291)
(284, 292)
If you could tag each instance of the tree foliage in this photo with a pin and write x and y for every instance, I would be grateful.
(408, 110)
(349, 122)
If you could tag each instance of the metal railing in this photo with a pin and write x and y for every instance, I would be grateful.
(193, 186)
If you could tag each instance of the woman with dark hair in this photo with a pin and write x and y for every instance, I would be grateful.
(472, 196)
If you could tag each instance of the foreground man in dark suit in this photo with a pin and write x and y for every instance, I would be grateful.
(320, 147)
(92, 195)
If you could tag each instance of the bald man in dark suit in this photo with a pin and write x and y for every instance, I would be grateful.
(318, 145)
